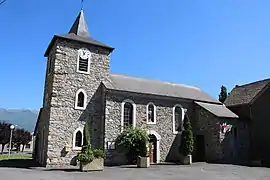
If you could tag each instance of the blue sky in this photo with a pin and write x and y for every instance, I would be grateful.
(203, 43)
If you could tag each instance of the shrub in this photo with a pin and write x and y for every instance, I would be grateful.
(186, 147)
(98, 153)
(87, 155)
(133, 142)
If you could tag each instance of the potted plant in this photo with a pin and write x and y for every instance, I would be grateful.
(186, 146)
(90, 159)
(133, 142)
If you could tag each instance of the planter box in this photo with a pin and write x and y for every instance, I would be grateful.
(95, 165)
(187, 160)
(143, 162)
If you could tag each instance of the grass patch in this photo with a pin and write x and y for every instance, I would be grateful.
(15, 156)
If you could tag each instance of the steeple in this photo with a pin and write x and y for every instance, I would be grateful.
(78, 32)
(80, 27)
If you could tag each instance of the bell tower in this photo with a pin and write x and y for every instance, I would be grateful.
(77, 64)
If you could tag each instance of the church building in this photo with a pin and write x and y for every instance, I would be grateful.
(80, 88)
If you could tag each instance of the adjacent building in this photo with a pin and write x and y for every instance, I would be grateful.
(250, 103)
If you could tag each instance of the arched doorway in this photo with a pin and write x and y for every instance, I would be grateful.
(153, 148)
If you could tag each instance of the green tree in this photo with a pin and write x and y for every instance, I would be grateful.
(186, 147)
(223, 94)
(87, 139)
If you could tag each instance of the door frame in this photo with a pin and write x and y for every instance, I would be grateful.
(158, 137)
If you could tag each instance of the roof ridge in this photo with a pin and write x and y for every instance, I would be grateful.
(159, 81)
(254, 82)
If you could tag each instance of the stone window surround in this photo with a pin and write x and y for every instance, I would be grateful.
(75, 148)
(78, 59)
(148, 121)
(122, 113)
(76, 100)
(183, 115)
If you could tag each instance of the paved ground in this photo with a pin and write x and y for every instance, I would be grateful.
(198, 171)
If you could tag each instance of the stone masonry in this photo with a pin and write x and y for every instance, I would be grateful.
(64, 119)
(169, 142)
(222, 146)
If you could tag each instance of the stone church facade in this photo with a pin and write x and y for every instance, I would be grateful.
(79, 88)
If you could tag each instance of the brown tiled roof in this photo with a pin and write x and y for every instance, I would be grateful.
(244, 94)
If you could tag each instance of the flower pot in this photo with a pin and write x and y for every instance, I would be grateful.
(95, 165)
(187, 160)
(143, 162)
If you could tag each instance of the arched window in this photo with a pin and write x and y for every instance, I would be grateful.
(151, 113)
(83, 62)
(80, 102)
(78, 139)
(128, 114)
(178, 117)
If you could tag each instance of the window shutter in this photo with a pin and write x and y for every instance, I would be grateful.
(83, 65)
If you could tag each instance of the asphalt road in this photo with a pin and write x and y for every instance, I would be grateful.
(197, 171)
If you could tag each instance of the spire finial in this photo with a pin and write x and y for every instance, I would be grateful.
(82, 5)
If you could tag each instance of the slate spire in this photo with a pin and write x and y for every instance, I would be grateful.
(80, 27)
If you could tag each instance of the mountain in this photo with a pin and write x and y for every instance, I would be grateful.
(23, 118)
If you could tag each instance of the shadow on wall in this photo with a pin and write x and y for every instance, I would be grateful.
(174, 155)
(93, 114)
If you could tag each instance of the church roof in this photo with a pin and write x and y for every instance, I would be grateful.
(155, 87)
(78, 32)
(218, 110)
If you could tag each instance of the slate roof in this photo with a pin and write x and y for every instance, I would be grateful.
(80, 27)
(218, 110)
(244, 94)
(147, 86)
(78, 32)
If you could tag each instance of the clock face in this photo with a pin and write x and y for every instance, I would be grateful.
(84, 54)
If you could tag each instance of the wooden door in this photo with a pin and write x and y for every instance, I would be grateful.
(151, 152)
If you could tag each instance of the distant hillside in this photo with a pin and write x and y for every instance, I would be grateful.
(24, 118)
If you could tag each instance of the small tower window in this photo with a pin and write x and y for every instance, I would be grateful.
(151, 113)
(77, 139)
(80, 101)
(83, 62)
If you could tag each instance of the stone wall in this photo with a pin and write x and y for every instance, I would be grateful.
(64, 118)
(235, 143)
(169, 142)
(222, 147)
(208, 125)
(43, 121)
